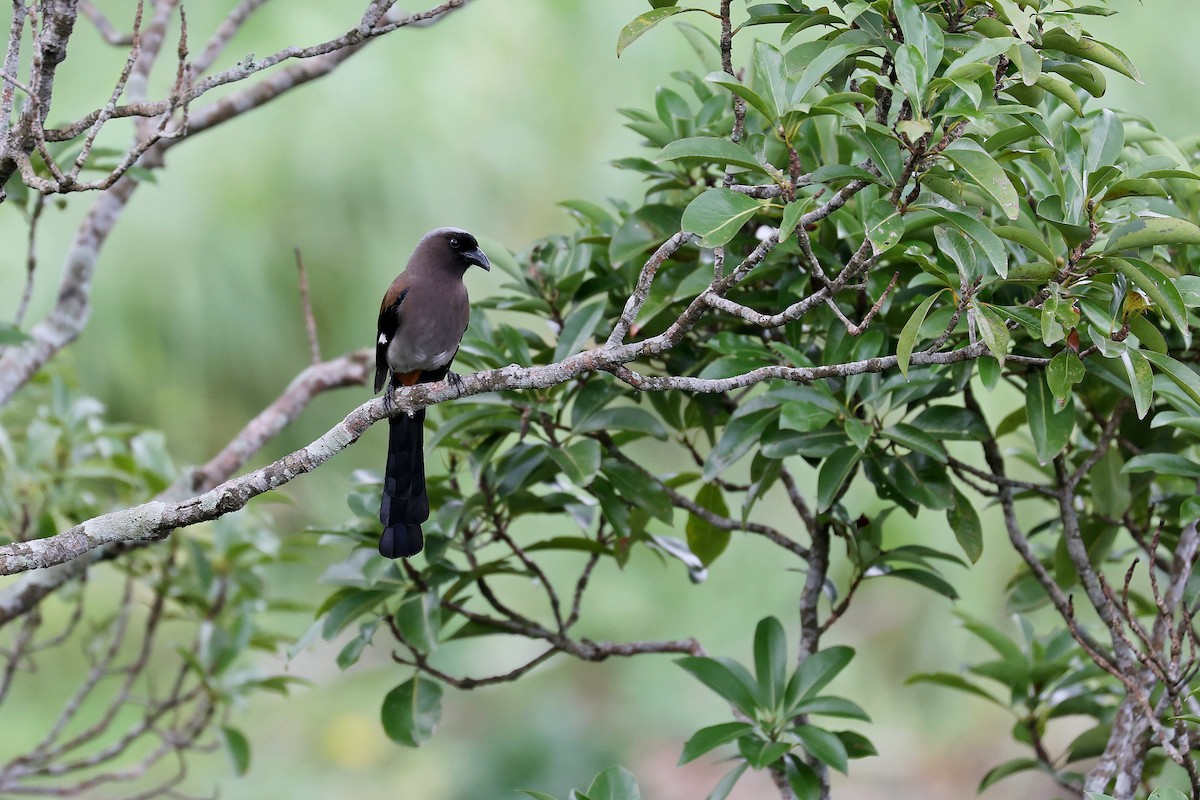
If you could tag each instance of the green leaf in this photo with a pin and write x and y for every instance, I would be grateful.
(884, 225)
(1141, 379)
(831, 707)
(953, 681)
(1105, 142)
(993, 331)
(419, 620)
(1163, 463)
(821, 64)
(815, 672)
(792, 213)
(725, 785)
(915, 439)
(913, 75)
(1011, 767)
(771, 660)
(745, 92)
(614, 783)
(642, 23)
(1062, 90)
(237, 747)
(1063, 372)
(1180, 374)
(929, 580)
(537, 795)
(952, 423)
(989, 242)
(823, 745)
(704, 539)
(803, 780)
(718, 214)
(1050, 426)
(623, 418)
(708, 739)
(709, 150)
(968, 156)
(578, 329)
(412, 711)
(912, 328)
(349, 606)
(725, 680)
(741, 434)
(770, 74)
(1159, 288)
(1029, 241)
(1150, 231)
(964, 521)
(835, 471)
(1091, 50)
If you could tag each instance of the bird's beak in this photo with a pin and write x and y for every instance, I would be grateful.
(478, 258)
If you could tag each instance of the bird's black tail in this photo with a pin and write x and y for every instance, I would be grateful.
(405, 505)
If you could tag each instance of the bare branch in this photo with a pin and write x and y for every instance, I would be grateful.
(106, 29)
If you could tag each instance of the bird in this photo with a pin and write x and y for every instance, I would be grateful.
(422, 320)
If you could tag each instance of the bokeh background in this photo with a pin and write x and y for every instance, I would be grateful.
(486, 120)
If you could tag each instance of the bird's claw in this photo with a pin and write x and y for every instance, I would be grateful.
(455, 380)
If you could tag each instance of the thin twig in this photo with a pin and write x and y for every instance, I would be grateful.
(310, 322)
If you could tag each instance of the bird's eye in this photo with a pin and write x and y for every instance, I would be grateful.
(455, 242)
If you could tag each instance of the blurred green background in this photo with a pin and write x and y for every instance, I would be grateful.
(486, 121)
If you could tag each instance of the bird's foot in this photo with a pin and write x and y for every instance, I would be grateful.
(389, 399)
(455, 380)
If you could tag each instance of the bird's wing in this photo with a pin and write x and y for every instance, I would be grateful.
(389, 323)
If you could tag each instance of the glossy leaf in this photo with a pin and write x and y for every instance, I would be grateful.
(237, 747)
(1163, 463)
(1149, 231)
(623, 418)
(718, 214)
(951, 422)
(1158, 287)
(707, 739)
(835, 471)
(815, 672)
(1091, 50)
(1011, 767)
(1029, 241)
(885, 226)
(1182, 375)
(614, 783)
(968, 530)
(642, 23)
(1062, 90)
(1063, 372)
(412, 711)
(824, 746)
(709, 150)
(989, 242)
(770, 660)
(726, 784)
(578, 329)
(1050, 426)
(993, 331)
(968, 156)
(1141, 380)
(704, 539)
(727, 682)
(912, 328)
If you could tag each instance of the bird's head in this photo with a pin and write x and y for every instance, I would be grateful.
(456, 246)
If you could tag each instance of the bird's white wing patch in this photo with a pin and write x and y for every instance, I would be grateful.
(383, 338)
